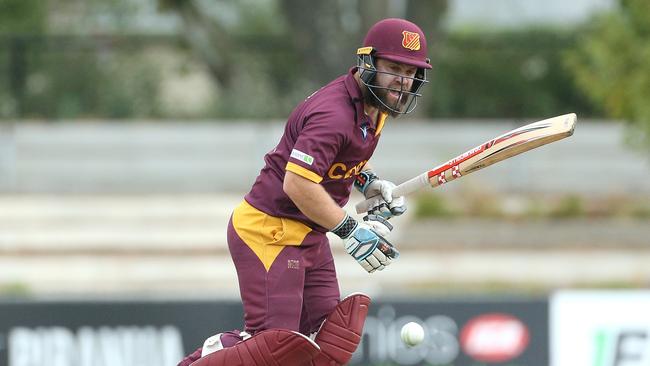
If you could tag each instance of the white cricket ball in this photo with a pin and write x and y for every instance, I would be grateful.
(412, 334)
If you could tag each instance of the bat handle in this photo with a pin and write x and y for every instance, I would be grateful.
(366, 205)
(403, 189)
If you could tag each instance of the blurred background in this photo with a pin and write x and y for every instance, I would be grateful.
(129, 129)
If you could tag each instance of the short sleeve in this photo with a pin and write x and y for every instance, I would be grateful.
(316, 147)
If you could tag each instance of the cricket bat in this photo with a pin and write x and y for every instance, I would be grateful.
(499, 148)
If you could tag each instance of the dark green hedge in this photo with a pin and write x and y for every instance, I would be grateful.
(505, 74)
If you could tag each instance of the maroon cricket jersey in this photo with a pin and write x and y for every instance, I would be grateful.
(327, 139)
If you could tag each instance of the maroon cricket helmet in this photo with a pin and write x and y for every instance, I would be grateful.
(396, 40)
(400, 41)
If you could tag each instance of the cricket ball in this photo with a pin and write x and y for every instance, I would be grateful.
(412, 334)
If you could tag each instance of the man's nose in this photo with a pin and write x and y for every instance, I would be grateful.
(402, 80)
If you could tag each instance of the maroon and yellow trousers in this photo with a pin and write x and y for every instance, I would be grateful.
(285, 269)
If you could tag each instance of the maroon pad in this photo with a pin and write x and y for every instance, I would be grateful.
(273, 347)
(341, 332)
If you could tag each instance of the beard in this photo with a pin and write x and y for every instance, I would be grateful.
(378, 98)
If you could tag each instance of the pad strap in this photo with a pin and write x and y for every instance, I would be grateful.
(269, 347)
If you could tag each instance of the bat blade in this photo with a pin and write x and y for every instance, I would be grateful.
(511, 143)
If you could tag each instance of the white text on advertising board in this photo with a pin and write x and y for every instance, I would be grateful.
(88, 346)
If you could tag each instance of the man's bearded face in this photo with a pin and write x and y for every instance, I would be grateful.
(391, 80)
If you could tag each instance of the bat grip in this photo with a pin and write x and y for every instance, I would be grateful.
(403, 189)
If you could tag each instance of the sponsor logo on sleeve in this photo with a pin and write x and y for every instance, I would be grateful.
(299, 155)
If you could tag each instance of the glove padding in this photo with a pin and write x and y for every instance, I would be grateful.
(379, 224)
(363, 242)
(381, 192)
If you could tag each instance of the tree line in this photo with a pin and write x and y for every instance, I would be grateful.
(260, 58)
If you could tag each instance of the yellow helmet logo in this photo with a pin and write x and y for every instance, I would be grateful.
(411, 40)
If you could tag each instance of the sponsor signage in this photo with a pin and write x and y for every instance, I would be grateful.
(160, 333)
(110, 333)
(89, 346)
(600, 328)
(458, 333)
(494, 337)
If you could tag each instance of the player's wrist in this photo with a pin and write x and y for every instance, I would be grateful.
(345, 227)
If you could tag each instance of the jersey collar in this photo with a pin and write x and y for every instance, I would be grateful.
(357, 100)
(355, 95)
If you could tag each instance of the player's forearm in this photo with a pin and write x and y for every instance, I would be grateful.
(313, 201)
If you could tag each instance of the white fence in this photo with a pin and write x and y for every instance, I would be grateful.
(201, 157)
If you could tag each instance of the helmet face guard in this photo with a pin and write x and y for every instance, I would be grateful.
(400, 41)
(407, 99)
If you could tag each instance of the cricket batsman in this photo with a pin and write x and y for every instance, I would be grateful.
(293, 314)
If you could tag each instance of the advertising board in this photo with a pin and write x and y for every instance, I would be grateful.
(600, 328)
(147, 333)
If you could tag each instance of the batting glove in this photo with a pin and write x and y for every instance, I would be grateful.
(381, 191)
(363, 242)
